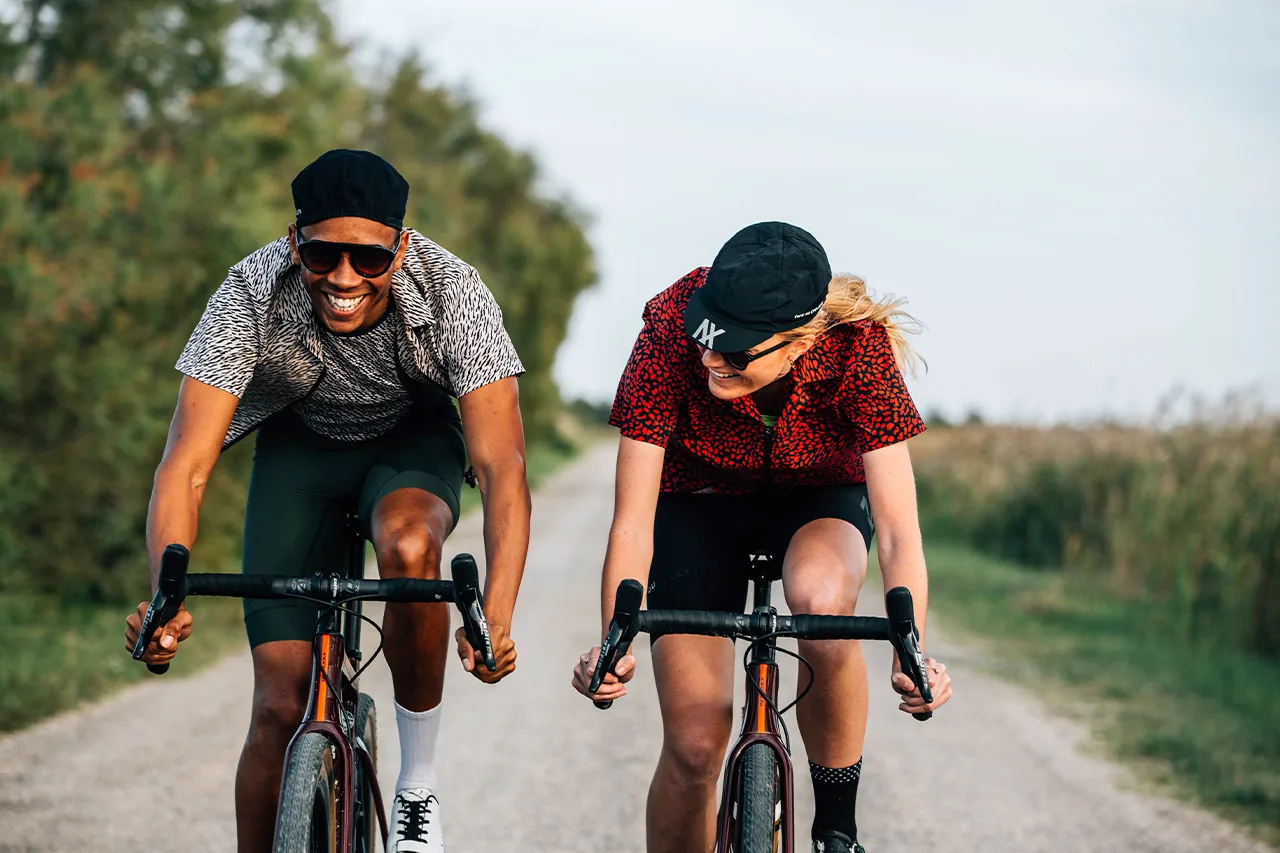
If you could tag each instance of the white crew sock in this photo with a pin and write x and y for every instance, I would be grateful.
(418, 733)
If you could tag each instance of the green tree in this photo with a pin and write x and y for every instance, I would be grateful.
(137, 165)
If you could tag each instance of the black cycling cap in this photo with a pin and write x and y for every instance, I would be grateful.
(343, 182)
(770, 277)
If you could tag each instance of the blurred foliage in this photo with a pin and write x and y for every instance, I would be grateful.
(591, 412)
(147, 145)
(1185, 518)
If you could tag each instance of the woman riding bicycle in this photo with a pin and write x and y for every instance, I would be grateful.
(763, 410)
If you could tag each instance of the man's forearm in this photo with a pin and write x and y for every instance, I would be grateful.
(504, 492)
(173, 515)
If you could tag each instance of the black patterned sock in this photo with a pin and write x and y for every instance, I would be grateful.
(835, 798)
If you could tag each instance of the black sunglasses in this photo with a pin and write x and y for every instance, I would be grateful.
(368, 260)
(740, 360)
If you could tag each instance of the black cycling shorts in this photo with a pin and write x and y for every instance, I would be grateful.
(701, 542)
(304, 484)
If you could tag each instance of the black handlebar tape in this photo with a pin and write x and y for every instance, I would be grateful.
(470, 600)
(808, 627)
(901, 612)
(166, 601)
(626, 604)
(706, 622)
(243, 586)
(411, 590)
(285, 586)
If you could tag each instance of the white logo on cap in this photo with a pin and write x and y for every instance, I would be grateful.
(707, 333)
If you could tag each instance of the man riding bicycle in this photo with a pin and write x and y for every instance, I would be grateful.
(763, 410)
(343, 344)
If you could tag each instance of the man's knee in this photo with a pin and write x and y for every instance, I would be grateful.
(277, 713)
(409, 549)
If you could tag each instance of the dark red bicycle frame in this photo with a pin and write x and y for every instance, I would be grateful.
(760, 724)
(332, 715)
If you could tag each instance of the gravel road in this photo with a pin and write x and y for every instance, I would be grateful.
(531, 766)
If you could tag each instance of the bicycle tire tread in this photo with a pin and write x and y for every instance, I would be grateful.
(758, 800)
(308, 763)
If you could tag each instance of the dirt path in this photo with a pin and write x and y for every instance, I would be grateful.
(530, 766)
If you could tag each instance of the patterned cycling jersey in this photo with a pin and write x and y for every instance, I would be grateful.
(259, 338)
(846, 397)
(359, 395)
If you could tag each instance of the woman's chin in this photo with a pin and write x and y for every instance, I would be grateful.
(727, 390)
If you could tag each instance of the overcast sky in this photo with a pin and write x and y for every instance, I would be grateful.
(1081, 200)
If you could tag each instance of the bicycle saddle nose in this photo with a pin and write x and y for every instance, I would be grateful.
(764, 567)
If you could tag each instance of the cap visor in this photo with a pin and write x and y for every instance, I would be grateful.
(708, 329)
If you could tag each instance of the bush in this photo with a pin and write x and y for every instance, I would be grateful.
(1187, 517)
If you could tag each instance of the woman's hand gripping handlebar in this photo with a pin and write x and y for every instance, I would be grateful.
(898, 628)
(906, 642)
(622, 630)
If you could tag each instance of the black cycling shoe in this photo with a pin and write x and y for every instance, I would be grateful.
(836, 842)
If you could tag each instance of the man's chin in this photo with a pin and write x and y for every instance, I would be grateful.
(342, 323)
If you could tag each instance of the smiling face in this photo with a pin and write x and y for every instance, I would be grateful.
(345, 301)
(727, 382)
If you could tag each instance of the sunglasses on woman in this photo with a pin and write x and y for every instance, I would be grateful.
(742, 359)
(368, 260)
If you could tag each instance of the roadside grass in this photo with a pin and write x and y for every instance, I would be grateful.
(1195, 720)
(60, 654)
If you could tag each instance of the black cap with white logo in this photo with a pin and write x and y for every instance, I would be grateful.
(770, 277)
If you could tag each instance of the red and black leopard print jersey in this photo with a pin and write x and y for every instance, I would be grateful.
(847, 397)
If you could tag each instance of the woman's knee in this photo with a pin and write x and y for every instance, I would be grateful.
(824, 569)
(694, 677)
(695, 750)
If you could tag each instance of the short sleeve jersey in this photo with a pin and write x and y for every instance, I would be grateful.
(846, 397)
(259, 340)
(359, 396)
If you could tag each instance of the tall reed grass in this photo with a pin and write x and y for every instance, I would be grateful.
(1185, 517)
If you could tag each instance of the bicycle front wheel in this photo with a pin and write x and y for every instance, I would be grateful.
(758, 816)
(306, 821)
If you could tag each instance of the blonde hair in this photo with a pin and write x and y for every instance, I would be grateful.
(848, 302)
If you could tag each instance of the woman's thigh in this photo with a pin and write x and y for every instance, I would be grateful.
(694, 677)
(826, 558)
(825, 566)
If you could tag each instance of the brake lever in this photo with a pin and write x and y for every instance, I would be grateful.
(610, 652)
(470, 601)
(912, 660)
(477, 630)
(165, 603)
(622, 630)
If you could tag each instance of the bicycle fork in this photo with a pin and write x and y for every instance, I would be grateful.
(760, 724)
(327, 714)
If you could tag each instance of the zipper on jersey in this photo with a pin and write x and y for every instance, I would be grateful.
(768, 454)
